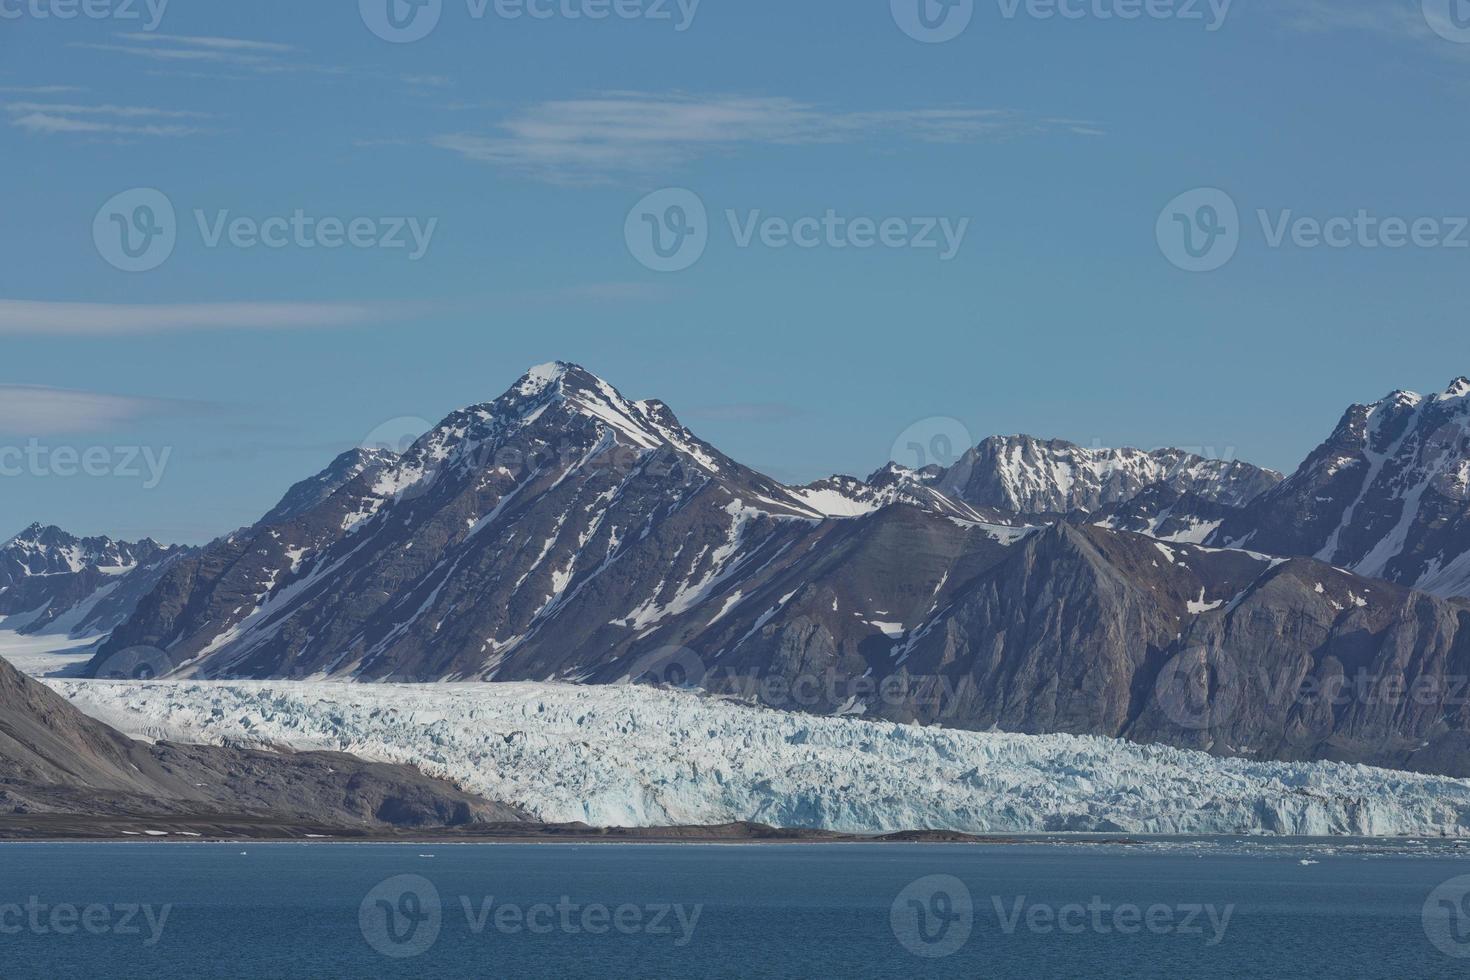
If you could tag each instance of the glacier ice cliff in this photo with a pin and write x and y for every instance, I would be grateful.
(634, 756)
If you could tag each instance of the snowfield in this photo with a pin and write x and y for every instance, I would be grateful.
(632, 756)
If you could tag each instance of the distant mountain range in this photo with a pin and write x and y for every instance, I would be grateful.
(53, 582)
(566, 532)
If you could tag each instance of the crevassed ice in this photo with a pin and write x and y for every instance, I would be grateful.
(632, 756)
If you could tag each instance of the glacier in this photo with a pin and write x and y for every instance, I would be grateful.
(625, 756)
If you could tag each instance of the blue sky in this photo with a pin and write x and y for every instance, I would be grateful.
(524, 144)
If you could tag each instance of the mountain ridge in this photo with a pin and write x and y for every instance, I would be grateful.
(566, 532)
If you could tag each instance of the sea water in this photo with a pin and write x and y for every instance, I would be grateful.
(319, 910)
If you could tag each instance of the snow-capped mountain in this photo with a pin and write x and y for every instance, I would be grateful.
(52, 581)
(1386, 496)
(564, 531)
(1021, 474)
(847, 496)
(314, 489)
(1162, 512)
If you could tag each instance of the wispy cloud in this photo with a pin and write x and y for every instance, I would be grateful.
(633, 134)
(256, 57)
(1399, 20)
(40, 89)
(230, 44)
(28, 317)
(34, 410)
(44, 117)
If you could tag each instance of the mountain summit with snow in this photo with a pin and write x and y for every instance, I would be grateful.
(1386, 496)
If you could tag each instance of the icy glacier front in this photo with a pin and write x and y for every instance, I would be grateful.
(631, 756)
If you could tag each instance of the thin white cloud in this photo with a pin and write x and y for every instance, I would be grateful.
(121, 111)
(107, 119)
(40, 89)
(626, 134)
(28, 317)
(42, 122)
(1397, 20)
(258, 57)
(34, 410)
(209, 43)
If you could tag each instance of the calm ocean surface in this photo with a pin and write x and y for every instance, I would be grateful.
(554, 910)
